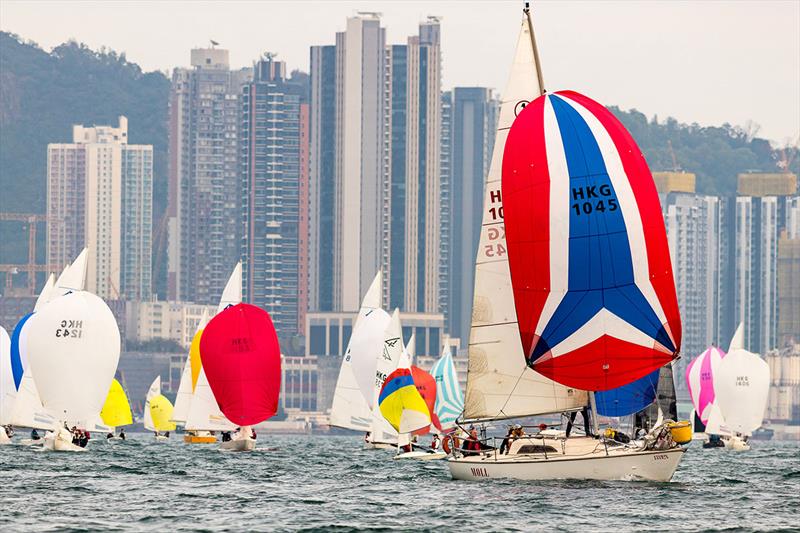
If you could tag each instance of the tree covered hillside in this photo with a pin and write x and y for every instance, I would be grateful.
(43, 94)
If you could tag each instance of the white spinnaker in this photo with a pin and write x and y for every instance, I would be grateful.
(232, 294)
(73, 348)
(152, 392)
(183, 399)
(352, 398)
(8, 389)
(204, 413)
(741, 387)
(499, 382)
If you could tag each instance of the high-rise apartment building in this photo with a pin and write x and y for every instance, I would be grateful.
(99, 195)
(473, 112)
(274, 176)
(760, 219)
(789, 276)
(698, 242)
(204, 195)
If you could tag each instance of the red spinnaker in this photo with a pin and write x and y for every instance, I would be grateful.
(242, 361)
(426, 385)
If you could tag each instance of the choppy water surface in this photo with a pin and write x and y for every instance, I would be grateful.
(330, 482)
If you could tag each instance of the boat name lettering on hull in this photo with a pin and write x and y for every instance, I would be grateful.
(479, 472)
(660, 457)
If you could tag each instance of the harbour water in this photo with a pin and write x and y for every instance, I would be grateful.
(323, 482)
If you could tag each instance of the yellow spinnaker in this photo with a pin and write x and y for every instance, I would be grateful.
(401, 404)
(161, 412)
(194, 357)
(116, 410)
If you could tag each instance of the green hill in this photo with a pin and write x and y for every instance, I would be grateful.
(43, 94)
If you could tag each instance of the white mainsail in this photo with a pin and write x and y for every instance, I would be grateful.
(152, 392)
(26, 406)
(73, 278)
(44, 296)
(204, 413)
(499, 382)
(353, 396)
(184, 397)
(73, 347)
(232, 294)
(7, 387)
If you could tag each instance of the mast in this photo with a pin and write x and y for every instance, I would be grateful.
(540, 78)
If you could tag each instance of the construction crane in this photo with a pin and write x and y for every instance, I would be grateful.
(31, 267)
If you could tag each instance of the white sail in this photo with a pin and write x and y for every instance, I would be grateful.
(184, 397)
(353, 396)
(232, 294)
(152, 392)
(737, 342)
(44, 296)
(499, 382)
(204, 413)
(741, 385)
(73, 347)
(387, 363)
(8, 389)
(411, 349)
(73, 278)
(28, 411)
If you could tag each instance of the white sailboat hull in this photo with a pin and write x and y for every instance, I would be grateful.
(161, 438)
(420, 456)
(4, 437)
(655, 465)
(57, 443)
(735, 443)
(245, 444)
(379, 446)
(31, 442)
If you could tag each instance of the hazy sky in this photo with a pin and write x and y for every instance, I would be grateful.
(707, 62)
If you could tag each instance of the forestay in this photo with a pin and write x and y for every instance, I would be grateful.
(499, 383)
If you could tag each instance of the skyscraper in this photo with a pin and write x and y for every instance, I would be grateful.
(99, 195)
(274, 144)
(472, 132)
(422, 192)
(204, 195)
(789, 276)
(322, 157)
(347, 161)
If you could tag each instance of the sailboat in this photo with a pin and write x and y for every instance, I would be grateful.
(354, 393)
(7, 387)
(158, 412)
(700, 382)
(27, 410)
(572, 295)
(242, 360)
(204, 417)
(73, 347)
(116, 411)
(382, 434)
(741, 386)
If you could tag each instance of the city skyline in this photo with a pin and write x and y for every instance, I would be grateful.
(727, 72)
